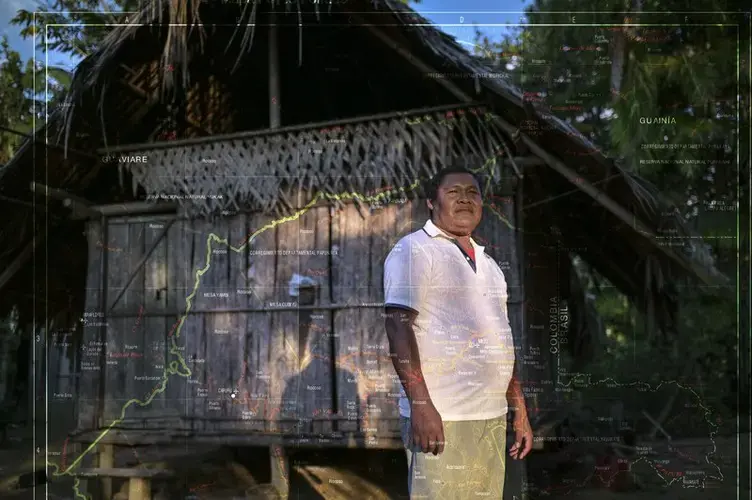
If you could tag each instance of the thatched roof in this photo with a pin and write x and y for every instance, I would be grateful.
(113, 93)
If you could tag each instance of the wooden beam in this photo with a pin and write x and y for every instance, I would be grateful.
(107, 461)
(16, 201)
(168, 436)
(83, 209)
(19, 261)
(523, 161)
(274, 97)
(604, 200)
(57, 194)
(122, 472)
(295, 307)
(657, 425)
(134, 208)
(130, 70)
(48, 145)
(422, 66)
(79, 205)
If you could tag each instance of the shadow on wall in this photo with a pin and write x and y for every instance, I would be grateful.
(307, 411)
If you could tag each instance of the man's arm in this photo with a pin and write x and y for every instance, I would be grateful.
(407, 278)
(515, 396)
(425, 421)
(403, 349)
(523, 441)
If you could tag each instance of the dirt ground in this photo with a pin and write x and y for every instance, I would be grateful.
(224, 474)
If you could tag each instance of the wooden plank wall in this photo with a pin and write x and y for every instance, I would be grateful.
(367, 387)
(125, 248)
(284, 353)
(180, 276)
(91, 354)
(258, 274)
(151, 330)
(224, 332)
(289, 371)
(255, 357)
(235, 342)
(191, 336)
(301, 359)
(315, 327)
(349, 234)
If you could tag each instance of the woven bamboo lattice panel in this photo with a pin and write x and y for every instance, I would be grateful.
(268, 172)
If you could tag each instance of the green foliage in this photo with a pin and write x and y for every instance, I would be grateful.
(14, 105)
(25, 93)
(74, 27)
(27, 90)
(704, 359)
(688, 73)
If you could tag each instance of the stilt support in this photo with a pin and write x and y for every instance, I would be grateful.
(139, 480)
(107, 461)
(139, 488)
(280, 471)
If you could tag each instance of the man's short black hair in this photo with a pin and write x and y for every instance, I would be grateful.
(432, 186)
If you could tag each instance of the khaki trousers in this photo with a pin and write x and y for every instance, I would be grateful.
(471, 467)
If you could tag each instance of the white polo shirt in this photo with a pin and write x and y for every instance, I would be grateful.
(462, 330)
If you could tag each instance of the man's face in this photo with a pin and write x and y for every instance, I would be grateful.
(458, 206)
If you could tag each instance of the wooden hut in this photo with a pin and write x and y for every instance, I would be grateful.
(245, 190)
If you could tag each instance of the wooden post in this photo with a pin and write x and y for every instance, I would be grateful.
(107, 461)
(78, 205)
(104, 269)
(280, 470)
(139, 488)
(274, 105)
(12, 268)
(130, 209)
(422, 66)
(139, 479)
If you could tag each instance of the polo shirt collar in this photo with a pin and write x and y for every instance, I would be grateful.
(433, 231)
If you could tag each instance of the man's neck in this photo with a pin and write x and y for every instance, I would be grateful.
(462, 240)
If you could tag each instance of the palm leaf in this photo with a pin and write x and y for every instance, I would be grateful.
(38, 78)
(62, 76)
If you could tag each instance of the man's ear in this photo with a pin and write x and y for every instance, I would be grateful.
(430, 205)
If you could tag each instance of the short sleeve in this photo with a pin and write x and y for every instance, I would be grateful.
(406, 275)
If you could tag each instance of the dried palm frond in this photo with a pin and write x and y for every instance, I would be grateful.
(643, 194)
(250, 30)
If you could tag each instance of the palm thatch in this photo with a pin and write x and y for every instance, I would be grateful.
(173, 82)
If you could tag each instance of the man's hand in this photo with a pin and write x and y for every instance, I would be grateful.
(523, 437)
(427, 427)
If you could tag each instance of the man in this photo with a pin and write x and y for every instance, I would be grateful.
(451, 346)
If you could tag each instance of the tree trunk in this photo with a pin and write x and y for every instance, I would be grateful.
(620, 51)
